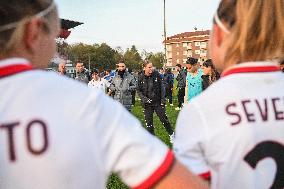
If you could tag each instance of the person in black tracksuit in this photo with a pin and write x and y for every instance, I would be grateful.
(169, 85)
(282, 65)
(181, 78)
(152, 93)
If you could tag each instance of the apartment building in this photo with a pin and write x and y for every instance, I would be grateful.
(188, 44)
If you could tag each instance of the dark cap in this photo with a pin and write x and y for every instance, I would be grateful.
(178, 65)
(95, 71)
(191, 61)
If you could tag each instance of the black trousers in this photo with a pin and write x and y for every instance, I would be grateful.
(133, 93)
(181, 93)
(161, 113)
(169, 95)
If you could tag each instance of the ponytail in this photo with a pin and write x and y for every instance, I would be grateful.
(256, 29)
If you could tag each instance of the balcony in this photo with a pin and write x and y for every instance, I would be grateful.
(169, 55)
(189, 47)
(169, 64)
(203, 54)
(203, 45)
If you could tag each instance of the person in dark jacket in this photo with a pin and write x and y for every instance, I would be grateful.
(82, 74)
(152, 93)
(282, 65)
(210, 74)
(169, 85)
(181, 78)
(133, 93)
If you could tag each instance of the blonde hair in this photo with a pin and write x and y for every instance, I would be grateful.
(15, 14)
(256, 29)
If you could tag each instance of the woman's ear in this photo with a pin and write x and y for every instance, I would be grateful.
(218, 35)
(32, 34)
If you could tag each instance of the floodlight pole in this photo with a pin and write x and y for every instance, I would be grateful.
(165, 37)
(89, 62)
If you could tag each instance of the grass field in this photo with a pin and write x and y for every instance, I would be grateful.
(114, 182)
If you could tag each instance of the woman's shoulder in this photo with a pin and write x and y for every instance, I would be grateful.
(200, 72)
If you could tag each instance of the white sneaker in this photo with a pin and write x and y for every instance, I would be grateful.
(171, 105)
(172, 137)
(177, 108)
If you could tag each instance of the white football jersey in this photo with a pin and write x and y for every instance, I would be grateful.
(101, 84)
(234, 130)
(56, 133)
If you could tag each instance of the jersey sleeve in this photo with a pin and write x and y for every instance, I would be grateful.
(128, 149)
(189, 140)
(107, 84)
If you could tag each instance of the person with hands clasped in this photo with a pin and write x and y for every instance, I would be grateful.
(152, 93)
(122, 86)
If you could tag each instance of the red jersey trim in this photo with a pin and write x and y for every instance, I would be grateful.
(251, 69)
(159, 173)
(205, 176)
(14, 69)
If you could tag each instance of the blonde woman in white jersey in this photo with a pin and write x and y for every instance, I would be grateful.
(72, 143)
(233, 133)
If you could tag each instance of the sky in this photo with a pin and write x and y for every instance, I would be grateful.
(134, 22)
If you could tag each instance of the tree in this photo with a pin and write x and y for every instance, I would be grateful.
(119, 54)
(104, 57)
(133, 59)
(80, 52)
(100, 56)
(62, 47)
(146, 55)
(157, 59)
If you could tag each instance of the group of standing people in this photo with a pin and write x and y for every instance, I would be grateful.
(233, 141)
(194, 79)
(152, 87)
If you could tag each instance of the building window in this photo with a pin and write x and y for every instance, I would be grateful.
(197, 51)
(178, 61)
(169, 62)
(197, 44)
(203, 45)
(177, 53)
(203, 51)
(189, 53)
(177, 45)
(169, 47)
(169, 54)
(184, 61)
(184, 44)
(189, 46)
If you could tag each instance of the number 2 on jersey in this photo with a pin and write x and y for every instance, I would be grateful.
(269, 149)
